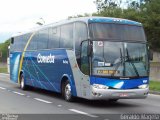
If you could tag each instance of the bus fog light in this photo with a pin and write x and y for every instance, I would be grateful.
(99, 94)
(143, 86)
(96, 94)
(99, 86)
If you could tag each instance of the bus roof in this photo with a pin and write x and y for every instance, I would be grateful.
(92, 19)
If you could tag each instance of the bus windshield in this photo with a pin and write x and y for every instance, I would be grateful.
(119, 59)
(120, 32)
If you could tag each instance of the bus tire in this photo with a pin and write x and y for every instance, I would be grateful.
(22, 83)
(113, 100)
(67, 94)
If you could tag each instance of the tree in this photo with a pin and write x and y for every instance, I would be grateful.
(4, 50)
(145, 11)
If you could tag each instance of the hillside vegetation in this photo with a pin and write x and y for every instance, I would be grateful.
(4, 50)
(145, 11)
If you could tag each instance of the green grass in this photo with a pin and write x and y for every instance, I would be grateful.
(3, 70)
(154, 85)
(154, 64)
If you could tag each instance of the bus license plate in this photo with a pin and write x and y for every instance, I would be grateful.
(123, 94)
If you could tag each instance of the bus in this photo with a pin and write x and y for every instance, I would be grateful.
(96, 58)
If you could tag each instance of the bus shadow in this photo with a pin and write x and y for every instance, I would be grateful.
(104, 103)
(81, 101)
(43, 92)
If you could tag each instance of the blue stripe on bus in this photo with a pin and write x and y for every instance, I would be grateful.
(119, 83)
(43, 75)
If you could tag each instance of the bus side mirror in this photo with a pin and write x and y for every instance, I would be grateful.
(150, 55)
(89, 53)
(12, 40)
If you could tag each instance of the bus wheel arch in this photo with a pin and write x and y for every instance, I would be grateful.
(66, 89)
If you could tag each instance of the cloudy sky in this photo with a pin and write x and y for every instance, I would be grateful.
(22, 15)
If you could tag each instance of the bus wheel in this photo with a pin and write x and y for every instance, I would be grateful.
(67, 94)
(22, 83)
(113, 100)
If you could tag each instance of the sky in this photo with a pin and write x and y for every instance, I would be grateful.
(22, 15)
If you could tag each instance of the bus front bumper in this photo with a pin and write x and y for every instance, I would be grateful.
(105, 94)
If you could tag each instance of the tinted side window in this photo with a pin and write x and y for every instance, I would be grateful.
(54, 36)
(84, 58)
(17, 44)
(66, 40)
(33, 43)
(80, 34)
(25, 39)
(43, 39)
(13, 45)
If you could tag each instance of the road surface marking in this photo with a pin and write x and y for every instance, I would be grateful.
(2, 88)
(59, 105)
(4, 74)
(41, 100)
(154, 95)
(81, 112)
(18, 93)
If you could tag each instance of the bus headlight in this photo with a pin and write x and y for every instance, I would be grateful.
(143, 86)
(99, 86)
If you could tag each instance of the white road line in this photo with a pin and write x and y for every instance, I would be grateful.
(4, 74)
(2, 88)
(18, 93)
(84, 113)
(154, 95)
(41, 100)
(59, 105)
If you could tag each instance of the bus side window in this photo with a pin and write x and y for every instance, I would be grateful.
(12, 40)
(33, 43)
(43, 39)
(84, 58)
(66, 40)
(80, 34)
(17, 43)
(54, 36)
(25, 40)
(12, 45)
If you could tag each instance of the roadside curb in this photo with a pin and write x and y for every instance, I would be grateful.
(154, 92)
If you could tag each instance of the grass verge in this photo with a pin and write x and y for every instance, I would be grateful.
(154, 86)
(3, 70)
(154, 64)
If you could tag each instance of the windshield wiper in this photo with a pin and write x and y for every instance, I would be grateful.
(120, 63)
(129, 60)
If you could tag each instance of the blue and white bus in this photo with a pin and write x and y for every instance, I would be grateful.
(96, 58)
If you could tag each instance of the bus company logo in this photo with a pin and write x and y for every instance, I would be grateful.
(45, 59)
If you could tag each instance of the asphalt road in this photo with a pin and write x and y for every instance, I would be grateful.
(41, 104)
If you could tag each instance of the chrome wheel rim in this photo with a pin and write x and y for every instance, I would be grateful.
(68, 91)
(22, 82)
